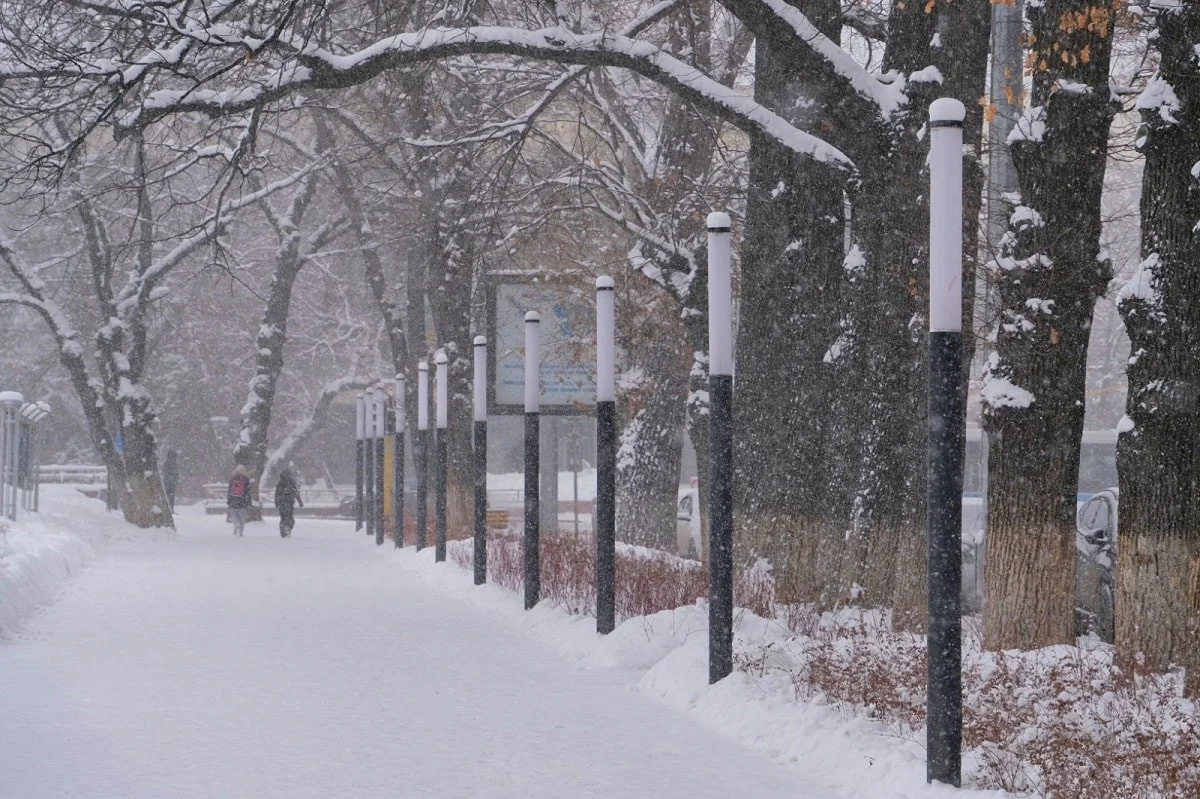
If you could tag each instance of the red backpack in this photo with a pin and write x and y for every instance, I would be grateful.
(239, 485)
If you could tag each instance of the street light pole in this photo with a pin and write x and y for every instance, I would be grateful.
(399, 424)
(947, 415)
(440, 455)
(606, 455)
(360, 433)
(380, 432)
(480, 440)
(422, 452)
(369, 460)
(533, 565)
(720, 497)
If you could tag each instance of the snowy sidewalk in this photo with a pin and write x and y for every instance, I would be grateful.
(311, 667)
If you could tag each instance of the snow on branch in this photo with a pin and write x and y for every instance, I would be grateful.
(141, 284)
(307, 66)
(887, 97)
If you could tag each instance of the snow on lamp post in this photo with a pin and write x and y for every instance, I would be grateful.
(946, 433)
(398, 425)
(479, 389)
(440, 453)
(369, 461)
(533, 565)
(360, 433)
(380, 435)
(606, 455)
(720, 497)
(422, 452)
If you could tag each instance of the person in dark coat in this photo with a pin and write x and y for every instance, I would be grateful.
(287, 492)
(238, 499)
(170, 477)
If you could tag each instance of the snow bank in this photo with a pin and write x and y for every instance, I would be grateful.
(666, 654)
(42, 550)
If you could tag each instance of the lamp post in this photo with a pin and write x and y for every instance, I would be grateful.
(369, 460)
(422, 452)
(360, 433)
(533, 565)
(947, 415)
(479, 389)
(606, 455)
(398, 427)
(440, 454)
(720, 498)
(380, 433)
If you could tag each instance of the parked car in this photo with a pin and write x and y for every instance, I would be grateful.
(1095, 562)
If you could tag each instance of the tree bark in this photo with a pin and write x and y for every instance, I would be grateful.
(1049, 275)
(1158, 452)
(651, 444)
(251, 449)
(792, 256)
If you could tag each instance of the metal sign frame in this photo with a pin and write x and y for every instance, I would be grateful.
(568, 368)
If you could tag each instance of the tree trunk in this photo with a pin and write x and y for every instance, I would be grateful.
(251, 449)
(449, 291)
(1049, 274)
(788, 317)
(1158, 453)
(651, 444)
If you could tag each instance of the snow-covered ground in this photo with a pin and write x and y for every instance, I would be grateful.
(200, 664)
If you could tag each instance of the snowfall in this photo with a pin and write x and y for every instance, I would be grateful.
(193, 663)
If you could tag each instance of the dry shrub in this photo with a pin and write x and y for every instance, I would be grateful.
(645, 582)
(1060, 723)
(1066, 723)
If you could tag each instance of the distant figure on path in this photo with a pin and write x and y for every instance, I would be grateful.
(287, 491)
(170, 477)
(238, 499)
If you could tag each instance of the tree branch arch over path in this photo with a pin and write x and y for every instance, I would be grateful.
(219, 61)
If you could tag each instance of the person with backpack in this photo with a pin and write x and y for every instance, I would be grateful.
(287, 492)
(238, 499)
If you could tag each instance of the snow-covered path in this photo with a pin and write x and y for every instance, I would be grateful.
(311, 667)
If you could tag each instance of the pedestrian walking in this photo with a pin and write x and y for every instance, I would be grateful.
(170, 477)
(238, 499)
(287, 492)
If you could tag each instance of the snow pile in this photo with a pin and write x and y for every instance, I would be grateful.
(41, 550)
(766, 705)
(844, 689)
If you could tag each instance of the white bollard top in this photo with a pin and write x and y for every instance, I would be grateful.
(533, 356)
(944, 110)
(605, 339)
(479, 380)
(443, 389)
(14, 397)
(422, 395)
(719, 220)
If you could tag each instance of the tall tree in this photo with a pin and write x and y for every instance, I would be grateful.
(1049, 274)
(1158, 452)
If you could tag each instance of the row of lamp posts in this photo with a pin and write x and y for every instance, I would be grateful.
(946, 420)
